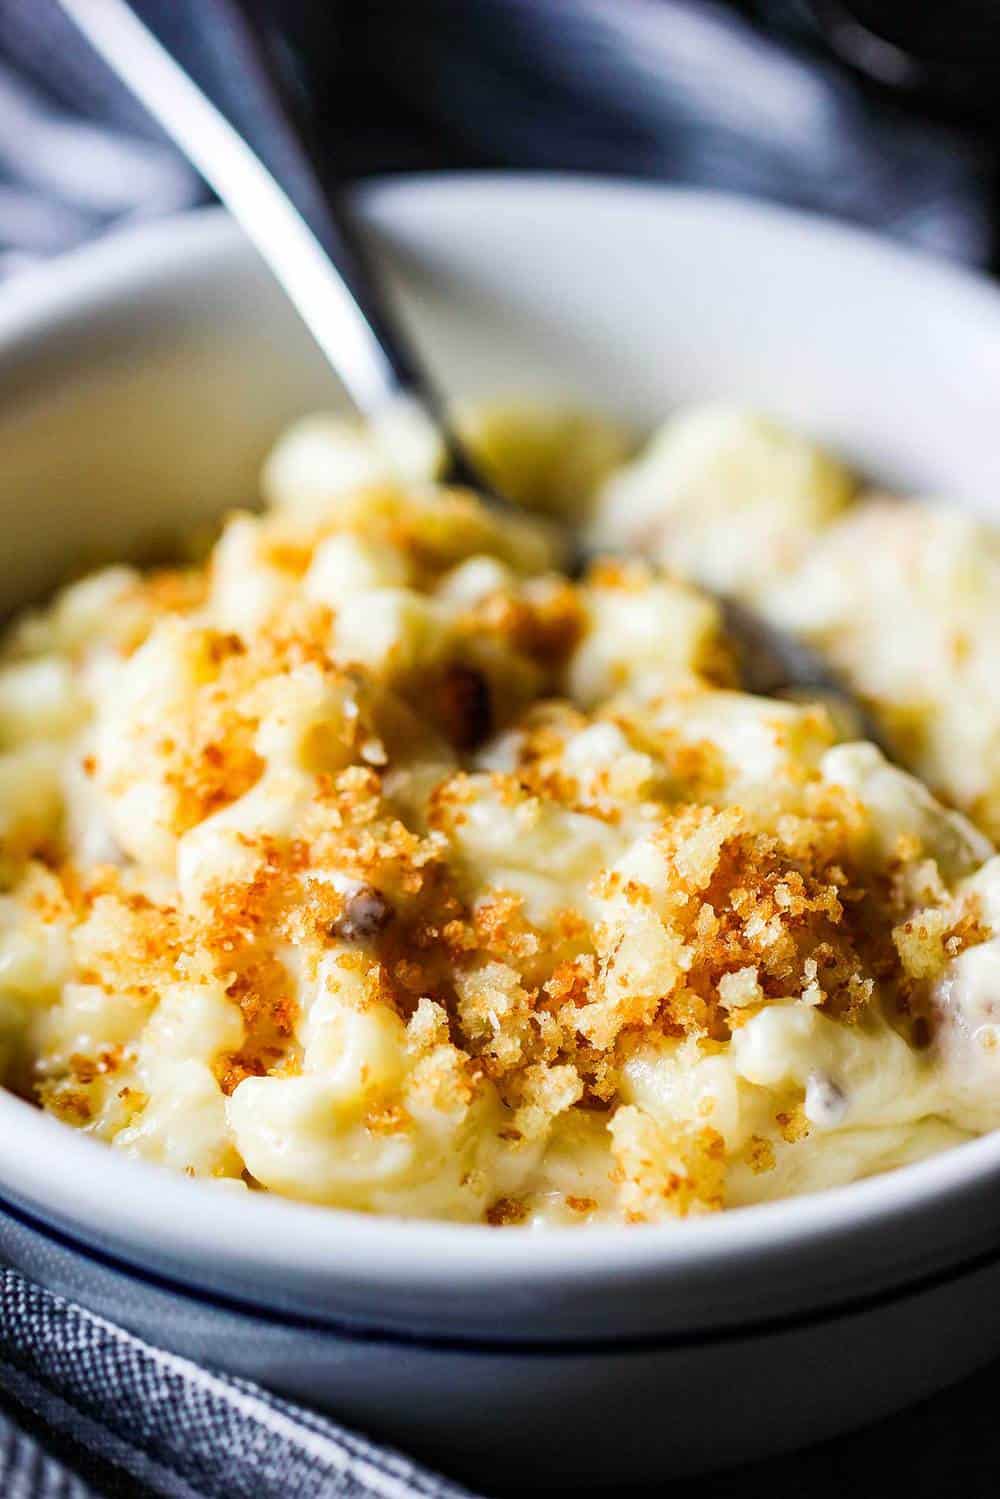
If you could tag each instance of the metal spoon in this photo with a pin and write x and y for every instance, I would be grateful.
(211, 74)
(238, 124)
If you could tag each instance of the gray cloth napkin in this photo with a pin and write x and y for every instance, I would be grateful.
(690, 91)
(686, 91)
(145, 1421)
(76, 155)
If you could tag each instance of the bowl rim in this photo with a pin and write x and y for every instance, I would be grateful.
(280, 1235)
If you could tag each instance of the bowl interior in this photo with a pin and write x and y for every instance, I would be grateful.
(145, 379)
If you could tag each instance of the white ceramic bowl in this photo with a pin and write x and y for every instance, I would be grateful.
(142, 383)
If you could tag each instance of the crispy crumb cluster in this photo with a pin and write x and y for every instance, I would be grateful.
(378, 864)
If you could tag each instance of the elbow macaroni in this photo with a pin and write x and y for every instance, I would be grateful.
(378, 865)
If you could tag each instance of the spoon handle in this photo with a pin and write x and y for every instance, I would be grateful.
(207, 71)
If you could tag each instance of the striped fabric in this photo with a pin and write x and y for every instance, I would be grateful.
(165, 1425)
(26, 1472)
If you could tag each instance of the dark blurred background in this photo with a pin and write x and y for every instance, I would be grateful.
(883, 112)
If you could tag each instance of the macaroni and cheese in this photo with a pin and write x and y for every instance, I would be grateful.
(377, 864)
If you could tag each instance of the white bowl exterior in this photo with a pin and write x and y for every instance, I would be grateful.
(145, 379)
(566, 1416)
